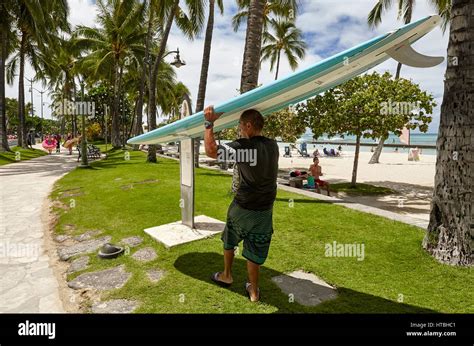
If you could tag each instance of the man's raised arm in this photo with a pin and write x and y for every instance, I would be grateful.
(209, 140)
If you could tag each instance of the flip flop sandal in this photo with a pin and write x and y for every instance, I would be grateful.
(215, 278)
(247, 285)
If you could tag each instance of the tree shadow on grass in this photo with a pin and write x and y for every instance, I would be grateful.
(200, 266)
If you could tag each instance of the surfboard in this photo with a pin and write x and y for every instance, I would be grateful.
(306, 83)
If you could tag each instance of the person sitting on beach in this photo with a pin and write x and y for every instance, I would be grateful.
(316, 171)
(326, 152)
(334, 153)
(316, 153)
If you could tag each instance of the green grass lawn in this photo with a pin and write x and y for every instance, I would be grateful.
(361, 189)
(25, 154)
(394, 265)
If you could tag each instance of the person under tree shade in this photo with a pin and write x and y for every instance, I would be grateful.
(30, 139)
(249, 217)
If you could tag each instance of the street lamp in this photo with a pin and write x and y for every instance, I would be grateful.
(177, 62)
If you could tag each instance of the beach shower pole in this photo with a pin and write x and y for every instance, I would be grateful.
(186, 164)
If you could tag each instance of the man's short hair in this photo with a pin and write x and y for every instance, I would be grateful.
(254, 117)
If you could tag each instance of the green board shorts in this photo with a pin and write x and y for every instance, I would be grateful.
(254, 227)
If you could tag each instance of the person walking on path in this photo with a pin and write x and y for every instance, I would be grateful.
(58, 142)
(30, 139)
(249, 217)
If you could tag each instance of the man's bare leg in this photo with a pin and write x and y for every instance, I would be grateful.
(253, 272)
(226, 275)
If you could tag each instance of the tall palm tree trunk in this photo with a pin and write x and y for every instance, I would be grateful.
(278, 65)
(450, 234)
(21, 96)
(73, 115)
(206, 56)
(115, 140)
(253, 46)
(251, 61)
(151, 157)
(138, 130)
(3, 114)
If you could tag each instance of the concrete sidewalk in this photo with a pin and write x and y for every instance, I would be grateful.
(27, 281)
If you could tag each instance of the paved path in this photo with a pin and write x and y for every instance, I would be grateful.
(27, 282)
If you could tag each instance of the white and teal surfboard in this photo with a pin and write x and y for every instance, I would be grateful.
(309, 82)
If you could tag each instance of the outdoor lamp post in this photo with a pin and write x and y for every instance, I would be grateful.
(84, 161)
(31, 94)
(42, 104)
(177, 62)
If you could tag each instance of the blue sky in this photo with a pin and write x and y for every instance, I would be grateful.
(329, 26)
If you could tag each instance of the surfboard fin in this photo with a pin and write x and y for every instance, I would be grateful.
(405, 54)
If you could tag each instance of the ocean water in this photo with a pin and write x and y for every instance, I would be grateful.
(417, 138)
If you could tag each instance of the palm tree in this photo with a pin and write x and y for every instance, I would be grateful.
(253, 46)
(251, 61)
(287, 39)
(281, 8)
(60, 70)
(121, 33)
(144, 65)
(206, 56)
(449, 235)
(168, 12)
(7, 40)
(405, 11)
(36, 22)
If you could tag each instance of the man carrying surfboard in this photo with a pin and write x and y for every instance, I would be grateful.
(249, 217)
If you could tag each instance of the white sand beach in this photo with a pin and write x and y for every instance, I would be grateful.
(411, 180)
(393, 168)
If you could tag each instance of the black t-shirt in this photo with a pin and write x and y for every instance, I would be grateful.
(257, 160)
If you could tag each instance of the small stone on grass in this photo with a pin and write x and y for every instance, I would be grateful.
(306, 288)
(88, 235)
(62, 237)
(84, 247)
(155, 275)
(102, 280)
(145, 255)
(115, 306)
(132, 241)
(78, 264)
